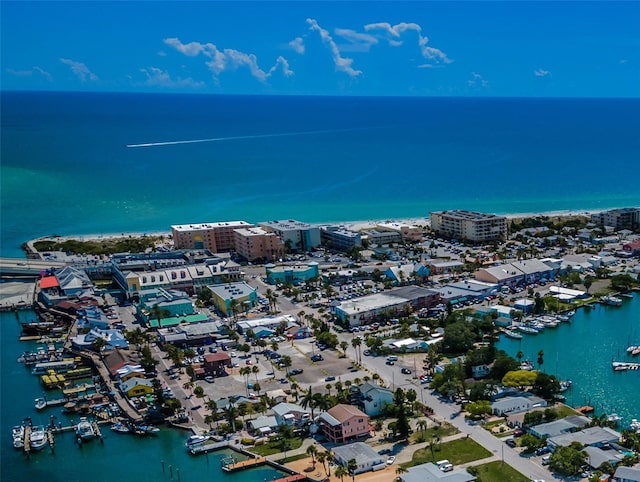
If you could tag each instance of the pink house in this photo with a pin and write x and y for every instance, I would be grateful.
(344, 422)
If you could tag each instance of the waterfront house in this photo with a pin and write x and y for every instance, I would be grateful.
(134, 387)
(290, 414)
(366, 458)
(431, 473)
(596, 456)
(263, 425)
(344, 422)
(112, 339)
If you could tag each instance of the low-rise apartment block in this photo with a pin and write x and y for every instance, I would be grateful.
(216, 237)
(257, 243)
(296, 235)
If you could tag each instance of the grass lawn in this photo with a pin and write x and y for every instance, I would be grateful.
(459, 451)
(274, 447)
(498, 472)
(564, 410)
(445, 430)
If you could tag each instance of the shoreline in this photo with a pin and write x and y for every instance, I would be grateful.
(351, 224)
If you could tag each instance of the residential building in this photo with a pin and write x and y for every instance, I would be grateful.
(558, 427)
(344, 422)
(633, 247)
(381, 238)
(263, 425)
(591, 437)
(431, 473)
(340, 238)
(627, 474)
(216, 237)
(258, 244)
(239, 296)
(469, 225)
(292, 274)
(403, 273)
(366, 458)
(408, 232)
(112, 339)
(372, 398)
(290, 414)
(508, 405)
(623, 218)
(296, 236)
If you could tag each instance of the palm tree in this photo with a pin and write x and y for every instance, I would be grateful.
(341, 472)
(286, 434)
(540, 358)
(322, 458)
(343, 346)
(422, 425)
(159, 313)
(234, 304)
(356, 343)
(401, 470)
(255, 369)
(230, 413)
(352, 465)
(308, 400)
(272, 298)
(519, 356)
(330, 459)
(312, 450)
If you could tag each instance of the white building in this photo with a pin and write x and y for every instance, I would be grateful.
(469, 225)
(366, 458)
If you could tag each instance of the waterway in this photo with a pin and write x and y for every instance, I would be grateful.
(582, 351)
(120, 457)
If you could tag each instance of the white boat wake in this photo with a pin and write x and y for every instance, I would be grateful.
(235, 138)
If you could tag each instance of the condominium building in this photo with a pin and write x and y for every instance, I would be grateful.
(216, 237)
(624, 218)
(297, 236)
(469, 225)
(257, 243)
(408, 232)
(340, 238)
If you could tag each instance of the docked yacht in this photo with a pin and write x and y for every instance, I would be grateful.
(84, 429)
(196, 440)
(38, 438)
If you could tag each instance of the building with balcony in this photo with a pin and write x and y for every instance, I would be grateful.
(623, 218)
(469, 225)
(296, 235)
(340, 238)
(216, 237)
(257, 243)
(344, 422)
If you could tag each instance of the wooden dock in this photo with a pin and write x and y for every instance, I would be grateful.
(206, 448)
(292, 478)
(245, 464)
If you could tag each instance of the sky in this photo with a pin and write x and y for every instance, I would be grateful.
(413, 48)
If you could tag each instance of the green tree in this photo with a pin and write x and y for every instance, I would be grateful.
(343, 346)
(341, 472)
(312, 450)
(567, 461)
(352, 466)
(531, 442)
(285, 434)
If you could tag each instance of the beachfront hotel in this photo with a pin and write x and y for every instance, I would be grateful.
(256, 243)
(469, 225)
(216, 237)
(624, 218)
(296, 235)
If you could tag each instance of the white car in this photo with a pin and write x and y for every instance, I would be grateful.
(391, 460)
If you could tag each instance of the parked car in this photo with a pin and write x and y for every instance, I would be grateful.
(511, 443)
(317, 357)
(391, 460)
(296, 371)
(209, 379)
(330, 378)
(406, 371)
(389, 362)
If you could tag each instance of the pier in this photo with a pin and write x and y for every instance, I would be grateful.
(206, 448)
(245, 464)
(292, 478)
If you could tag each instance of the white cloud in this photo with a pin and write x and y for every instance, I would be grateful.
(228, 59)
(342, 64)
(358, 42)
(395, 32)
(297, 44)
(80, 70)
(160, 78)
(162, 53)
(541, 73)
(29, 72)
(477, 81)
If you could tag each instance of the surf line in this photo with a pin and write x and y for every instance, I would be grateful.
(235, 138)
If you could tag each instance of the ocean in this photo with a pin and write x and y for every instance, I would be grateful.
(66, 167)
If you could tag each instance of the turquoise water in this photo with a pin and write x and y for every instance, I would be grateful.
(66, 167)
(121, 457)
(582, 351)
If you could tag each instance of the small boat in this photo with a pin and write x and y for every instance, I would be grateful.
(528, 329)
(120, 427)
(512, 334)
(635, 351)
(611, 300)
(18, 436)
(38, 438)
(70, 407)
(565, 385)
(146, 430)
(40, 403)
(614, 417)
(84, 429)
(634, 425)
(196, 440)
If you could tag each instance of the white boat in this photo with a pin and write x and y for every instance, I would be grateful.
(146, 430)
(84, 429)
(38, 438)
(528, 329)
(196, 440)
(565, 385)
(512, 334)
(614, 417)
(634, 425)
(40, 403)
(120, 428)
(18, 436)
(611, 300)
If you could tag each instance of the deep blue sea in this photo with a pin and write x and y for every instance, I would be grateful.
(66, 167)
